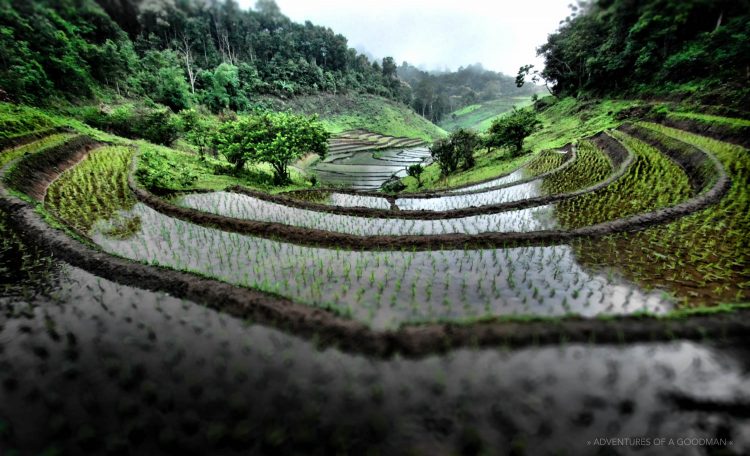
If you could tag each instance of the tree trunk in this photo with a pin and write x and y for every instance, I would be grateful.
(239, 166)
(281, 174)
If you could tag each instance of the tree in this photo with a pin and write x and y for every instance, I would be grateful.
(455, 151)
(510, 130)
(161, 79)
(528, 70)
(185, 48)
(198, 129)
(223, 88)
(416, 171)
(273, 138)
(464, 142)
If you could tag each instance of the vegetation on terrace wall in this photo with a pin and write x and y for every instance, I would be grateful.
(653, 48)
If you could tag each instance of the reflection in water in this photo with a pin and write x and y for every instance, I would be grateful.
(490, 197)
(368, 169)
(99, 367)
(386, 289)
(510, 178)
(249, 208)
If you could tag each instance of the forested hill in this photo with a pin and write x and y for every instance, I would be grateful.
(436, 94)
(177, 53)
(639, 48)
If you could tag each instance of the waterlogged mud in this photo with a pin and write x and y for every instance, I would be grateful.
(98, 368)
(388, 289)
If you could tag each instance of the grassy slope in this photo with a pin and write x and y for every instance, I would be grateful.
(564, 122)
(209, 173)
(480, 116)
(351, 111)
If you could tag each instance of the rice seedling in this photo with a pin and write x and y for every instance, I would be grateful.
(95, 190)
(701, 257)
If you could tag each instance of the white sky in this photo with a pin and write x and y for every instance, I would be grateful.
(502, 35)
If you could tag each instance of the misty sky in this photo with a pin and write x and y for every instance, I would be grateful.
(500, 34)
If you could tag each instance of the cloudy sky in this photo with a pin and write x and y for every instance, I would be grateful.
(433, 34)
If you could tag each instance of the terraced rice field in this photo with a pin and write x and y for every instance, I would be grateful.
(364, 160)
(633, 235)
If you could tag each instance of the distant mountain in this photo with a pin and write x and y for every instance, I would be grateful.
(436, 94)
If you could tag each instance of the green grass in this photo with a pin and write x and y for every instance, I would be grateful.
(708, 118)
(488, 165)
(564, 122)
(479, 116)
(95, 189)
(163, 167)
(568, 120)
(17, 120)
(8, 155)
(340, 113)
(467, 109)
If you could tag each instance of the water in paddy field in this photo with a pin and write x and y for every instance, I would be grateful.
(390, 288)
(92, 367)
(367, 169)
(250, 208)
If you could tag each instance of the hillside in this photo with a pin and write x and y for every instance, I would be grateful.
(344, 112)
(479, 116)
(436, 94)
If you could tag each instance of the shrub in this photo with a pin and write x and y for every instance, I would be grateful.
(455, 151)
(510, 130)
(415, 171)
(273, 138)
(155, 124)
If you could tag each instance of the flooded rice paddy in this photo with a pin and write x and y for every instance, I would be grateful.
(388, 289)
(249, 208)
(93, 367)
(367, 169)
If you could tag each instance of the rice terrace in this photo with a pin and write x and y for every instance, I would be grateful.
(225, 230)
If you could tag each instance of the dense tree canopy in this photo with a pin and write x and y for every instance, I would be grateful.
(177, 53)
(455, 151)
(273, 138)
(648, 46)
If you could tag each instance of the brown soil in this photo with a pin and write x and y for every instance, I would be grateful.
(21, 140)
(33, 174)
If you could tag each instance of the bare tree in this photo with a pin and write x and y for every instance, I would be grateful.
(185, 47)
